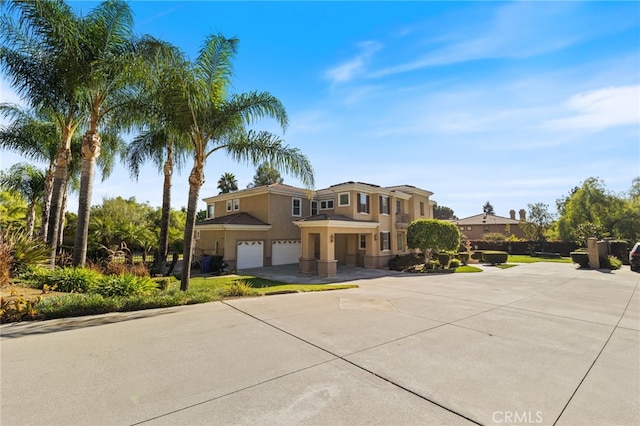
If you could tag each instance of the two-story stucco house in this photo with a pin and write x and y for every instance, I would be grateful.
(474, 227)
(350, 223)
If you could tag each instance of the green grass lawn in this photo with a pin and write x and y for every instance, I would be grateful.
(467, 268)
(530, 259)
(254, 286)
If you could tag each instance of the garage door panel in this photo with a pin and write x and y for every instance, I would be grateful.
(284, 252)
(250, 254)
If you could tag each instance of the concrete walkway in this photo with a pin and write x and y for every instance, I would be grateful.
(535, 344)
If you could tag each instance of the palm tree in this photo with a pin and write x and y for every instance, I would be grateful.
(202, 108)
(227, 183)
(29, 182)
(35, 136)
(41, 57)
(159, 143)
(113, 65)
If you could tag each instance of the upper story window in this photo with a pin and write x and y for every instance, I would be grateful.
(314, 207)
(384, 204)
(210, 211)
(229, 205)
(363, 203)
(343, 199)
(296, 207)
(236, 205)
(326, 205)
(398, 206)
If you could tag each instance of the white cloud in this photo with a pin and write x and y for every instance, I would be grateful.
(602, 108)
(348, 70)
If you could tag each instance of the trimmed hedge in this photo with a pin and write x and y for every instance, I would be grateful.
(581, 258)
(494, 257)
(524, 247)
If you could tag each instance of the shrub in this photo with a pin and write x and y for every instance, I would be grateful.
(123, 285)
(454, 263)
(494, 236)
(610, 262)
(581, 258)
(443, 259)
(495, 257)
(477, 255)
(72, 280)
(464, 257)
(18, 251)
(238, 288)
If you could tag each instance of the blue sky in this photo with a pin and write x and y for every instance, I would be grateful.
(509, 102)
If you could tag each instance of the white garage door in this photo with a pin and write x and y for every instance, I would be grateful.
(284, 252)
(250, 254)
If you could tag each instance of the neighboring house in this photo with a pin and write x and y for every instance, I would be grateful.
(474, 227)
(350, 223)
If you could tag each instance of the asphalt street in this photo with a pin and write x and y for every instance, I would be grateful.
(539, 343)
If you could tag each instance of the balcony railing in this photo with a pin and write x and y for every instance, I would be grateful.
(402, 218)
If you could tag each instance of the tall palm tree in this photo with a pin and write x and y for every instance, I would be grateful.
(35, 136)
(113, 65)
(42, 58)
(227, 183)
(159, 142)
(214, 120)
(29, 182)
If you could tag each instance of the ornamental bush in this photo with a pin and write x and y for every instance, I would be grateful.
(581, 258)
(494, 257)
(432, 234)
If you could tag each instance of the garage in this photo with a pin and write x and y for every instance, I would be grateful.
(250, 254)
(284, 252)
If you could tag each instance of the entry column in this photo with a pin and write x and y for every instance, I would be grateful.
(327, 264)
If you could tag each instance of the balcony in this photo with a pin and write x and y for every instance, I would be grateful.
(402, 218)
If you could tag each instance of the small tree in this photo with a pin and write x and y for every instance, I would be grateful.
(443, 212)
(488, 208)
(265, 175)
(432, 234)
(539, 220)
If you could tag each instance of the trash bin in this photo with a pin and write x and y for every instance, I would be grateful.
(216, 263)
(205, 265)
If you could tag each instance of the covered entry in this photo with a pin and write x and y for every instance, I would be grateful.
(321, 234)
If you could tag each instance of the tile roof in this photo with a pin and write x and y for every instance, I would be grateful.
(486, 219)
(233, 219)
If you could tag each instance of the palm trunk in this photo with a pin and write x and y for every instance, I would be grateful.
(59, 180)
(46, 205)
(90, 151)
(163, 243)
(31, 218)
(196, 180)
(65, 197)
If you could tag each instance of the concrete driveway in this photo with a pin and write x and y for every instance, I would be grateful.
(535, 344)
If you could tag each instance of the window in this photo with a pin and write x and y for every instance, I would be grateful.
(236, 205)
(384, 241)
(229, 204)
(486, 228)
(314, 208)
(363, 241)
(296, 207)
(363, 203)
(462, 228)
(384, 204)
(421, 208)
(468, 228)
(343, 199)
(398, 206)
(326, 205)
(210, 211)
(400, 241)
